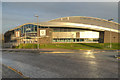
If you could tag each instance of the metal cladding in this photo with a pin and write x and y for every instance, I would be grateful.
(87, 22)
(81, 22)
(75, 29)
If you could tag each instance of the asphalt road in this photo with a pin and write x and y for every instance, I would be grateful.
(63, 64)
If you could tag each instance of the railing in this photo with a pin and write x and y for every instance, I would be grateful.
(10, 45)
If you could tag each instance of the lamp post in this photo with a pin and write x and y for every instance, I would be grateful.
(110, 32)
(37, 30)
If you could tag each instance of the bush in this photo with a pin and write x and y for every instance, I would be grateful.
(27, 46)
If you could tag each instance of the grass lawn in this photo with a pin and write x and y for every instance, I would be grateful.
(84, 46)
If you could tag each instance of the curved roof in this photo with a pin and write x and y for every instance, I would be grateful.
(88, 20)
(80, 22)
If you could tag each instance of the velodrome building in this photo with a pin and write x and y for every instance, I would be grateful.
(74, 29)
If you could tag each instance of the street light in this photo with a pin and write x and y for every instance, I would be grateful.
(37, 29)
(110, 19)
(110, 32)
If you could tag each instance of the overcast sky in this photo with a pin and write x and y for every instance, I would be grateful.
(17, 13)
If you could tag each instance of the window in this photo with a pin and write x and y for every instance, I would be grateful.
(77, 40)
(81, 40)
(35, 27)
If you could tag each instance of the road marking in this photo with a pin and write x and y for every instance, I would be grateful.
(18, 72)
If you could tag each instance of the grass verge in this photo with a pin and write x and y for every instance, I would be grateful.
(84, 46)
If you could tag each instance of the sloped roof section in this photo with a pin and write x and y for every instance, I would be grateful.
(79, 22)
(88, 20)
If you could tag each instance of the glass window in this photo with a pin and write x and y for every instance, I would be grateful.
(81, 39)
(77, 40)
(35, 27)
(65, 30)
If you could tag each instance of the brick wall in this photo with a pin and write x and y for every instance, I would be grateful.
(114, 37)
(101, 37)
(47, 38)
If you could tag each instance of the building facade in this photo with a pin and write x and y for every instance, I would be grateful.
(74, 29)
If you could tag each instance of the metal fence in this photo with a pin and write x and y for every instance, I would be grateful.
(10, 45)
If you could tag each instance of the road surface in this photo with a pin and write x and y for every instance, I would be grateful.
(9, 73)
(63, 63)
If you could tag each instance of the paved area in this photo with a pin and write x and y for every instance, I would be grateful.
(9, 73)
(66, 64)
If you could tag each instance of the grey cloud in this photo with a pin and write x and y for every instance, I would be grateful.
(24, 11)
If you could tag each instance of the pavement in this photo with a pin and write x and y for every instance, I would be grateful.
(8, 72)
(54, 50)
(66, 64)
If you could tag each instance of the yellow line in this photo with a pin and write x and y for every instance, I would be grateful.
(18, 72)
